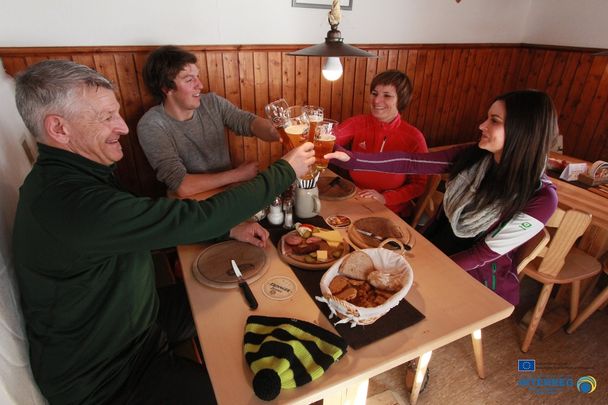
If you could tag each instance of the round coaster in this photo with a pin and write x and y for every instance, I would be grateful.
(279, 288)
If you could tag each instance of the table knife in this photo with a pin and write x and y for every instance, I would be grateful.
(380, 238)
(253, 303)
(370, 234)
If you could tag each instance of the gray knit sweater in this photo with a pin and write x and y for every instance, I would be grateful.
(198, 145)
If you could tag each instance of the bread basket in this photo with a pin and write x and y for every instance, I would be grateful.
(383, 259)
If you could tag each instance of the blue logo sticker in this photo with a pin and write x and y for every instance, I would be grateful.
(586, 384)
(526, 365)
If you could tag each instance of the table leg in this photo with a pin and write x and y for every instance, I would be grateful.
(355, 394)
(478, 351)
(423, 363)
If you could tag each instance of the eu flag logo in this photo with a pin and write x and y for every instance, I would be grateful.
(526, 365)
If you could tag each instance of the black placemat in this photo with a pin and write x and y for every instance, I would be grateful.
(398, 318)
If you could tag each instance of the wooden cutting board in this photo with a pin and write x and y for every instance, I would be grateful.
(341, 189)
(300, 260)
(379, 226)
(212, 266)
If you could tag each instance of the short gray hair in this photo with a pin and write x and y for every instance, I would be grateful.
(50, 87)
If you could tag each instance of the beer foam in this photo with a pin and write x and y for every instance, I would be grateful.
(298, 129)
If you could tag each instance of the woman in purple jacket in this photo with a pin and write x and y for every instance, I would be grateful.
(497, 196)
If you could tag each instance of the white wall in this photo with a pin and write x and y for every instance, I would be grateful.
(568, 22)
(182, 22)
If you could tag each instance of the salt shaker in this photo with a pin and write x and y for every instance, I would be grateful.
(275, 216)
(288, 210)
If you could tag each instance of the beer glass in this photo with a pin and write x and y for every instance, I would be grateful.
(324, 142)
(315, 115)
(296, 126)
(277, 113)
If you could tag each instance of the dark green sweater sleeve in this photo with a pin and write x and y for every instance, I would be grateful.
(116, 221)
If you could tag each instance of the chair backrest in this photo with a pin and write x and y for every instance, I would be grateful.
(425, 199)
(565, 227)
(537, 246)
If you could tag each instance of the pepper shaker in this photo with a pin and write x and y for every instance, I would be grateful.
(288, 210)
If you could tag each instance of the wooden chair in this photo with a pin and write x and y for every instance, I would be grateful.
(531, 249)
(424, 203)
(597, 302)
(560, 263)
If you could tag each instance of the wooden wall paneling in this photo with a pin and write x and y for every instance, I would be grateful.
(233, 94)
(203, 73)
(569, 110)
(440, 95)
(537, 57)
(402, 60)
(461, 105)
(598, 145)
(476, 104)
(337, 89)
(133, 110)
(260, 95)
(288, 83)
(525, 60)
(392, 59)
(13, 64)
(382, 64)
(554, 77)
(215, 73)
(359, 91)
(275, 92)
(512, 75)
(593, 99)
(348, 85)
(301, 80)
(489, 70)
(127, 167)
(445, 122)
(252, 146)
(415, 71)
(371, 69)
(547, 67)
(425, 91)
(84, 59)
(325, 93)
(147, 99)
(32, 60)
(563, 88)
(314, 81)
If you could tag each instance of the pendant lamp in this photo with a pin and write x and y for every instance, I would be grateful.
(333, 47)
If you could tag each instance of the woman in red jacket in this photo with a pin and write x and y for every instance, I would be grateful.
(383, 130)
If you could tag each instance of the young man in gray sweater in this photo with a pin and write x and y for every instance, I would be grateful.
(183, 137)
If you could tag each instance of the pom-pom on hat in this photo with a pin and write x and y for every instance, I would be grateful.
(287, 353)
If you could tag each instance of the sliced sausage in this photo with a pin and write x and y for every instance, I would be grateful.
(293, 240)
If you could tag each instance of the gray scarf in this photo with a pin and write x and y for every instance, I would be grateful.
(458, 202)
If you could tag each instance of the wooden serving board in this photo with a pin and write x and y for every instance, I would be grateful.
(299, 260)
(377, 225)
(212, 266)
(340, 190)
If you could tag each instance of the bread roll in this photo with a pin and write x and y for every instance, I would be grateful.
(387, 281)
(357, 265)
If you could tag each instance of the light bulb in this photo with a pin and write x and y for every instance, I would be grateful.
(332, 69)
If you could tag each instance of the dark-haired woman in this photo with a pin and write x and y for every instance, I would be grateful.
(497, 196)
(383, 130)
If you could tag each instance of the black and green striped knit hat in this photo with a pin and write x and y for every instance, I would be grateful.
(287, 353)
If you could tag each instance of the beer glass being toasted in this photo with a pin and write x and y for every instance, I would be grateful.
(324, 142)
(315, 116)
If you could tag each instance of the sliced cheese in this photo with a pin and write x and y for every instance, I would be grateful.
(331, 243)
(329, 236)
(322, 255)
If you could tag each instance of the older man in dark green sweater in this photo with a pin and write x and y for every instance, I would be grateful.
(82, 248)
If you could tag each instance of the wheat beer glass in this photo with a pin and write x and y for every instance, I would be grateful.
(324, 142)
(315, 116)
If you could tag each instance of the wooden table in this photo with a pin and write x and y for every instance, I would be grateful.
(595, 239)
(454, 304)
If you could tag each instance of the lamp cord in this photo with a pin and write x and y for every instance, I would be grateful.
(334, 14)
